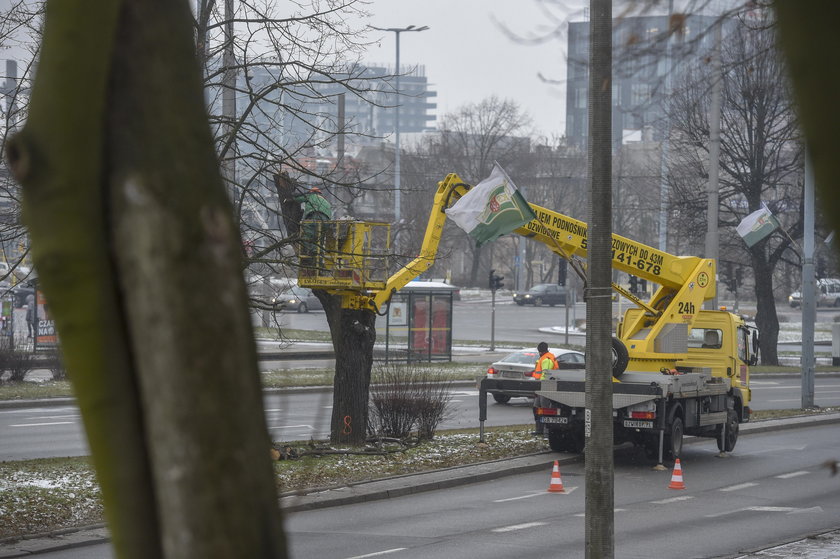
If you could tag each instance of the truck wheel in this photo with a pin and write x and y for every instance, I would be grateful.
(620, 358)
(674, 438)
(731, 432)
(501, 398)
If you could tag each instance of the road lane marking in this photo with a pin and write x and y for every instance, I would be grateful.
(583, 514)
(378, 553)
(44, 424)
(566, 490)
(520, 497)
(36, 411)
(672, 500)
(793, 474)
(519, 527)
(812, 509)
(738, 487)
(771, 450)
(788, 510)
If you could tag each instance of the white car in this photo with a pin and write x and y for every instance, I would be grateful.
(827, 294)
(520, 364)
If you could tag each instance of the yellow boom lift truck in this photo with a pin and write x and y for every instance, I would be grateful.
(679, 369)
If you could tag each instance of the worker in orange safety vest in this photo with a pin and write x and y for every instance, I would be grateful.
(546, 361)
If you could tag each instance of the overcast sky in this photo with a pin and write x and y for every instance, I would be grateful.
(468, 57)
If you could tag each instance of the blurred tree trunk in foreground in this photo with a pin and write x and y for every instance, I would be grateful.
(140, 262)
(808, 38)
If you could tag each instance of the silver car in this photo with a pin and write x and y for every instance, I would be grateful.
(520, 364)
(297, 299)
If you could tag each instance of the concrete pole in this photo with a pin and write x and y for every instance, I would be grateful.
(663, 162)
(712, 189)
(598, 420)
(809, 310)
(229, 98)
(397, 176)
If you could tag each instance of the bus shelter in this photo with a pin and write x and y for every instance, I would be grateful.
(419, 323)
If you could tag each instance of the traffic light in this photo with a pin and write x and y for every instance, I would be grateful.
(634, 284)
(561, 271)
(490, 279)
(497, 282)
(820, 267)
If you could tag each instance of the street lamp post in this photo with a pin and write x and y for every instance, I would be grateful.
(397, 186)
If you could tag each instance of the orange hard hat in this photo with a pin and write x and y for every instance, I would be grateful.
(315, 189)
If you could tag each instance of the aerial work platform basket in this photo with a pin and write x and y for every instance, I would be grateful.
(344, 254)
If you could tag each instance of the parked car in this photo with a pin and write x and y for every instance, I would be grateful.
(520, 364)
(298, 299)
(827, 294)
(542, 294)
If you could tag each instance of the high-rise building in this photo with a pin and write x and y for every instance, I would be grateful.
(641, 67)
(309, 113)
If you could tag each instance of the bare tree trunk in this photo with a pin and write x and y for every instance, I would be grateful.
(766, 318)
(132, 236)
(353, 334)
(475, 265)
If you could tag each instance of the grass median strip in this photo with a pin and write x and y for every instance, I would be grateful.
(50, 494)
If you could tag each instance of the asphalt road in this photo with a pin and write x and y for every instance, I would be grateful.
(773, 488)
(43, 432)
(471, 320)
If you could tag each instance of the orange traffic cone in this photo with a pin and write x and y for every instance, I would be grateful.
(556, 485)
(676, 478)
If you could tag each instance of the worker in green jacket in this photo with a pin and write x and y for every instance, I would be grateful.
(315, 208)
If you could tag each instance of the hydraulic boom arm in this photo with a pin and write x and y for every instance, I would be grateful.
(685, 282)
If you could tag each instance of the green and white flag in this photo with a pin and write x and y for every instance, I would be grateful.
(758, 225)
(492, 208)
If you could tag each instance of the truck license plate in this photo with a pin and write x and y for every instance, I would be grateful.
(552, 419)
(638, 424)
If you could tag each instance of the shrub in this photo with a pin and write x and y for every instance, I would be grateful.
(15, 364)
(407, 397)
(54, 361)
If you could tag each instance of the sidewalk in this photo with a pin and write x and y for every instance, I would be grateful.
(816, 546)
